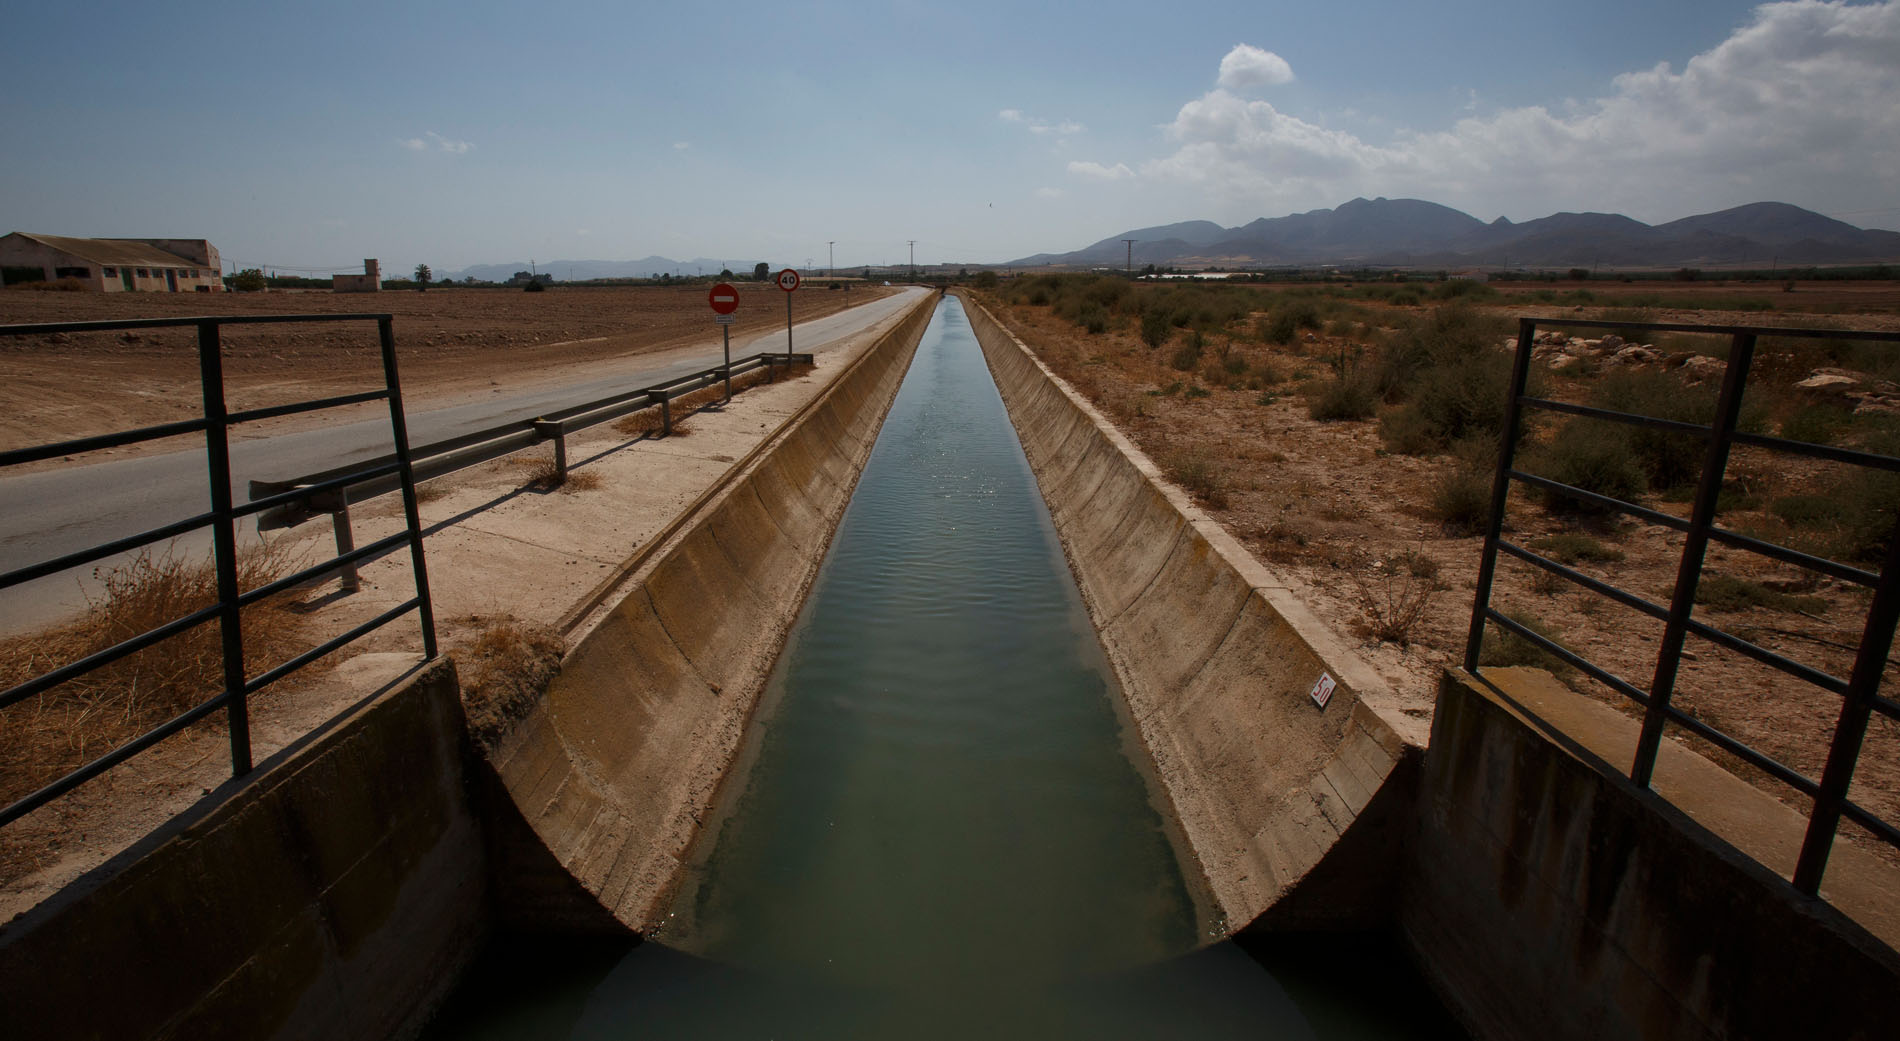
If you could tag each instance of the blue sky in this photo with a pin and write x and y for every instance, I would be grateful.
(313, 136)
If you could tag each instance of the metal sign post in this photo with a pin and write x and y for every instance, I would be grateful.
(725, 300)
(788, 281)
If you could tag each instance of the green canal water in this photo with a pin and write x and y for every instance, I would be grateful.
(940, 829)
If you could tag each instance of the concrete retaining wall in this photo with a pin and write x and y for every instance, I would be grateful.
(1549, 897)
(611, 772)
(1296, 813)
(337, 892)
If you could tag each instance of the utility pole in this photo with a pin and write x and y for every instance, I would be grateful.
(1129, 268)
(913, 259)
(831, 260)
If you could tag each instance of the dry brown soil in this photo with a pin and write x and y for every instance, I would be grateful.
(1347, 523)
(450, 341)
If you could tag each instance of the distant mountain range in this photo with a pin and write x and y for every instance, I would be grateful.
(582, 270)
(1414, 233)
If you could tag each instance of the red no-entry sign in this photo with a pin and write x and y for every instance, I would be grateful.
(788, 280)
(723, 298)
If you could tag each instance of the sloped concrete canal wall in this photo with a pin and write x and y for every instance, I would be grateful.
(608, 777)
(1296, 812)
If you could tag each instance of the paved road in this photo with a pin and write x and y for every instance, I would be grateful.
(54, 512)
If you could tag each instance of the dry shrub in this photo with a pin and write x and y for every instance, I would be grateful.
(639, 424)
(503, 673)
(542, 475)
(1504, 648)
(1343, 399)
(84, 718)
(1395, 594)
(1461, 501)
(1198, 475)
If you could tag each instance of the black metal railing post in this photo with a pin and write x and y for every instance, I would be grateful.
(1876, 642)
(1695, 545)
(1861, 693)
(406, 473)
(1500, 488)
(224, 542)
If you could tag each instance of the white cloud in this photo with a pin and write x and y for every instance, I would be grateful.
(430, 139)
(681, 146)
(1049, 193)
(1249, 66)
(1797, 105)
(1097, 171)
(1064, 128)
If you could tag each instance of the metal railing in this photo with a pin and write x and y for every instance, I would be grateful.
(299, 499)
(215, 423)
(1859, 692)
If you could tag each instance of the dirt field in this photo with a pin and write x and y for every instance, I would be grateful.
(449, 341)
(1352, 524)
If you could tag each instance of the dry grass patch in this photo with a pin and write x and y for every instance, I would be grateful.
(64, 728)
(1200, 477)
(543, 475)
(504, 671)
(639, 424)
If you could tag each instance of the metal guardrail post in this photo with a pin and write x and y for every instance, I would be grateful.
(399, 429)
(348, 576)
(557, 433)
(1500, 484)
(1695, 545)
(1876, 642)
(224, 541)
(666, 411)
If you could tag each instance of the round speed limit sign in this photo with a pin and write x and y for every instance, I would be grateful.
(788, 280)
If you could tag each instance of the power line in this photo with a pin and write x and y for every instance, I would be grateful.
(261, 265)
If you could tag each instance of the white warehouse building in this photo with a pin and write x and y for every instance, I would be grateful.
(114, 265)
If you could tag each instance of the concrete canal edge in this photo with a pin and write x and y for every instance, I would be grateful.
(336, 891)
(1295, 811)
(340, 889)
(1550, 897)
(602, 786)
(1540, 891)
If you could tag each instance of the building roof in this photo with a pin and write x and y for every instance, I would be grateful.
(114, 252)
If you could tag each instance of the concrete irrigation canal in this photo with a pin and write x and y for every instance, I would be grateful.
(939, 828)
(941, 714)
